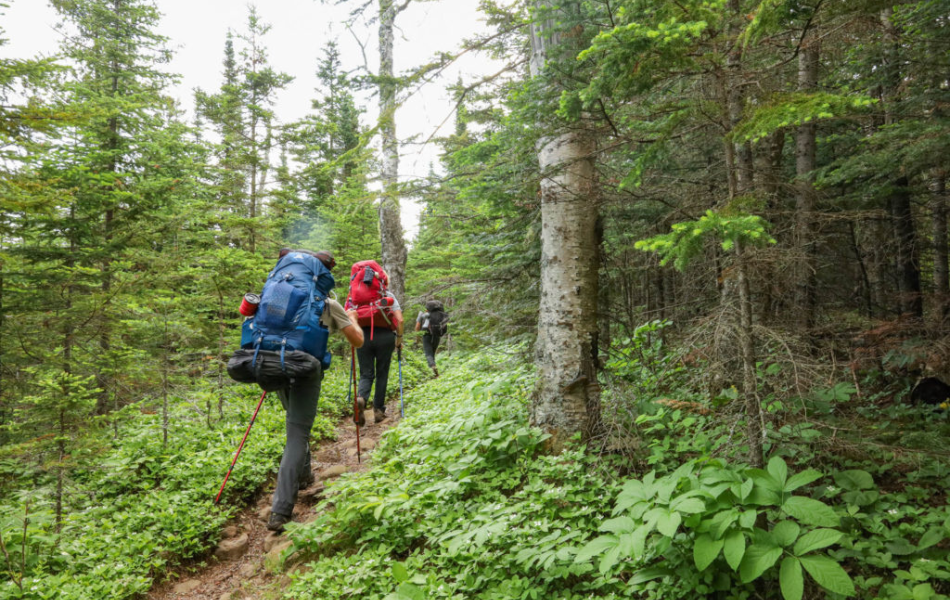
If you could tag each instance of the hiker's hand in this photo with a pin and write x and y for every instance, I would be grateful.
(399, 341)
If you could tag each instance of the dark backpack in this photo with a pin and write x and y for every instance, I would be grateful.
(285, 340)
(438, 318)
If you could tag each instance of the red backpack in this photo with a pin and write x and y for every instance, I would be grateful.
(368, 283)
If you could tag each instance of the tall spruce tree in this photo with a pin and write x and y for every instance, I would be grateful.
(110, 162)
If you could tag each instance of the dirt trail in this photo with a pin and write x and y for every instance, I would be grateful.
(245, 576)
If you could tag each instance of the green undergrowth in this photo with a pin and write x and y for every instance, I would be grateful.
(133, 508)
(463, 501)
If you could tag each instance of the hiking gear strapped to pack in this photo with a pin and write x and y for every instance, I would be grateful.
(240, 447)
(438, 318)
(368, 284)
(285, 340)
(272, 370)
(402, 404)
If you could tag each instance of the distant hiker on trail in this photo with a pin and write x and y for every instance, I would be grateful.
(380, 317)
(284, 349)
(434, 321)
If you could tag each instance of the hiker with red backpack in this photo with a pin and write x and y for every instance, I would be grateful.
(380, 316)
(434, 322)
(284, 350)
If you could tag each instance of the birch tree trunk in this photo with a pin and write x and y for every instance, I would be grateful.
(390, 228)
(568, 399)
(805, 163)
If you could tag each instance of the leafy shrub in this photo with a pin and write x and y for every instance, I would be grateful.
(702, 529)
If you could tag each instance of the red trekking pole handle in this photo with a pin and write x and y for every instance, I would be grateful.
(240, 447)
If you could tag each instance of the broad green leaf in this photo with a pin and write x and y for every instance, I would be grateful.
(763, 496)
(399, 572)
(745, 489)
(765, 480)
(596, 547)
(791, 579)
(815, 540)
(778, 470)
(748, 518)
(923, 591)
(626, 544)
(644, 575)
(640, 540)
(668, 523)
(734, 549)
(855, 479)
(688, 505)
(618, 525)
(786, 532)
(810, 511)
(804, 478)
(932, 537)
(609, 560)
(861, 498)
(828, 574)
(705, 550)
(407, 591)
(900, 547)
(757, 559)
(722, 521)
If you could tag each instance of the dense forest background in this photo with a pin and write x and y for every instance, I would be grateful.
(728, 215)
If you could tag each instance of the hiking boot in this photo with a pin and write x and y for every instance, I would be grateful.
(435, 371)
(360, 418)
(277, 521)
(379, 414)
(307, 479)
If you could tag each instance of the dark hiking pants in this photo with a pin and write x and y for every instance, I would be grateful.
(300, 403)
(375, 356)
(430, 343)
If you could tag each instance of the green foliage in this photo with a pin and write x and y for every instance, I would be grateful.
(686, 240)
(135, 508)
(699, 530)
(795, 109)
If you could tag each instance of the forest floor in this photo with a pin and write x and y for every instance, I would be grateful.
(245, 574)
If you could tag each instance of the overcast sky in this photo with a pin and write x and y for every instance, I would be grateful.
(300, 28)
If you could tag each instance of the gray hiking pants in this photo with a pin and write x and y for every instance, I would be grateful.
(375, 356)
(430, 344)
(300, 403)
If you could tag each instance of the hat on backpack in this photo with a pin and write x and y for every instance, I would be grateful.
(326, 258)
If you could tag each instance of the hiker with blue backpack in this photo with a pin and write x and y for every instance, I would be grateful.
(284, 350)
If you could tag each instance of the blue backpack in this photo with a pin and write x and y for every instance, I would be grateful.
(288, 318)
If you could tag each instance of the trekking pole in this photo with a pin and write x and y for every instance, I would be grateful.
(240, 447)
(356, 407)
(402, 403)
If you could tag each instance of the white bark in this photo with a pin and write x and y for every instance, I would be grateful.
(393, 246)
(568, 399)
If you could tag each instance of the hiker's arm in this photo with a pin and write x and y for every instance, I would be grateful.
(353, 332)
(398, 315)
